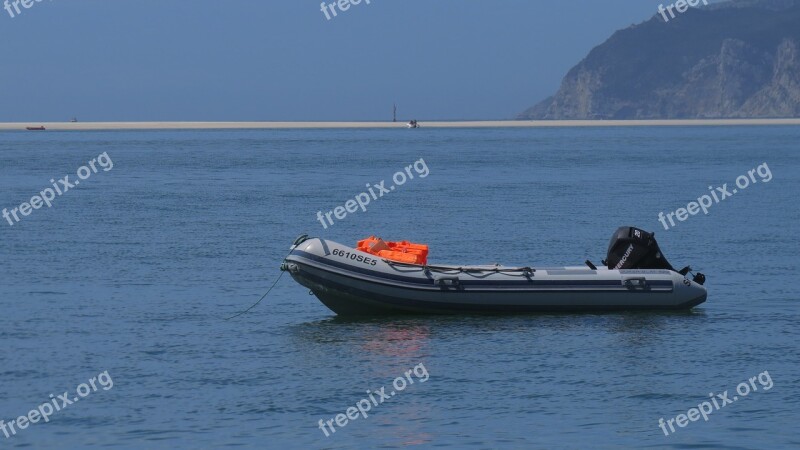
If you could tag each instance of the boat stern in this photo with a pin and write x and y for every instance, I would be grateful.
(690, 292)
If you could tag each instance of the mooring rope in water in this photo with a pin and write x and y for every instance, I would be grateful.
(300, 239)
(259, 300)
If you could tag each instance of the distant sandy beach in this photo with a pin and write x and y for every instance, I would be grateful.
(99, 126)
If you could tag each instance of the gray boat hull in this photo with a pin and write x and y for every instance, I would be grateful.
(350, 282)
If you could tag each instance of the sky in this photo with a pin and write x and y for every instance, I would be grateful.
(275, 60)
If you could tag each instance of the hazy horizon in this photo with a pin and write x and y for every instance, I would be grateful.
(284, 61)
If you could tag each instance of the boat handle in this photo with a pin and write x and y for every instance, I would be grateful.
(637, 282)
(447, 281)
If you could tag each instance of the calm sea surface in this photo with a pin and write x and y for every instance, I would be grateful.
(134, 271)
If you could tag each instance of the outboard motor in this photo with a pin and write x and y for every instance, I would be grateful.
(632, 248)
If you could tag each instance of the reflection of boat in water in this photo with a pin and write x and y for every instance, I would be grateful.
(396, 339)
(354, 282)
(40, 128)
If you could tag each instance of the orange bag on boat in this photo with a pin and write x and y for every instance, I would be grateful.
(402, 251)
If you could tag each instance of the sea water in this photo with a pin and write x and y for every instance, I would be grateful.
(134, 271)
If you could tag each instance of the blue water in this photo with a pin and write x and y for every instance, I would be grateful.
(134, 271)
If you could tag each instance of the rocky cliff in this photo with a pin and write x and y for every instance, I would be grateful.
(739, 59)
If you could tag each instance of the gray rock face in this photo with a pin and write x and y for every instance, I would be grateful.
(732, 60)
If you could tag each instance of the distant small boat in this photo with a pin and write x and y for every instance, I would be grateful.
(35, 128)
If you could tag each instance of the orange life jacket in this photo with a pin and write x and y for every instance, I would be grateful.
(401, 251)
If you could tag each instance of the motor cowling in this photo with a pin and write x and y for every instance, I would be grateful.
(634, 248)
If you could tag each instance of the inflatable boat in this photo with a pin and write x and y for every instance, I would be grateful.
(389, 278)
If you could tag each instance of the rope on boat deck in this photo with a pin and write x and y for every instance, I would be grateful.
(524, 271)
